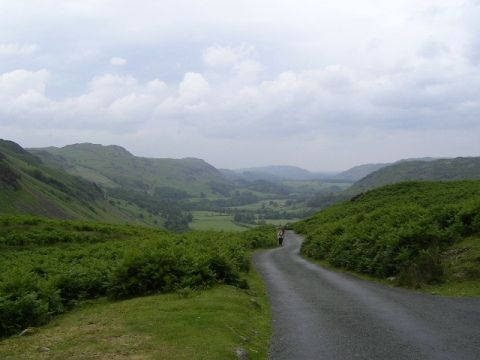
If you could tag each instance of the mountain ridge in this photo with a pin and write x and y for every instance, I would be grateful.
(460, 168)
(114, 166)
(29, 186)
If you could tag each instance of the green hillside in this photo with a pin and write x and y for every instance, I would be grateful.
(113, 166)
(179, 189)
(442, 169)
(29, 186)
(416, 233)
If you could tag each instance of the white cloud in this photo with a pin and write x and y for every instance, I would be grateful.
(193, 87)
(19, 82)
(17, 49)
(226, 55)
(118, 61)
(253, 74)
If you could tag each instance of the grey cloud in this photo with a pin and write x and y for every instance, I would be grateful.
(431, 49)
(213, 73)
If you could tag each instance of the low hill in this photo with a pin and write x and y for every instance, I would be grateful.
(29, 186)
(113, 166)
(440, 169)
(414, 233)
(358, 172)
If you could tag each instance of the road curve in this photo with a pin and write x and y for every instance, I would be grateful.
(321, 314)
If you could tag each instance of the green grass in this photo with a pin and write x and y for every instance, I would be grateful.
(207, 324)
(462, 270)
(209, 220)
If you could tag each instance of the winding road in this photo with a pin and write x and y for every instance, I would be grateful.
(322, 314)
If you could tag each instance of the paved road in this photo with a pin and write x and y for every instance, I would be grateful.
(320, 314)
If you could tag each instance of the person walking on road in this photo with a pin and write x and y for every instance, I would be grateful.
(280, 236)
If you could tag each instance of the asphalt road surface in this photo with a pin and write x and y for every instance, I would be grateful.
(321, 314)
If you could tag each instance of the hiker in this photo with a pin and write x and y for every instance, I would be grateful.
(281, 235)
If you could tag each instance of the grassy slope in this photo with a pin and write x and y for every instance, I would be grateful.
(113, 165)
(409, 230)
(199, 325)
(66, 196)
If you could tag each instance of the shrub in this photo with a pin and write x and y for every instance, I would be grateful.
(398, 230)
(47, 266)
(26, 300)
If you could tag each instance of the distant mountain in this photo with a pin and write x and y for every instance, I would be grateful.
(358, 172)
(424, 169)
(29, 186)
(278, 173)
(113, 166)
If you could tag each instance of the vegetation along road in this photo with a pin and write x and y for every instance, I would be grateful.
(320, 314)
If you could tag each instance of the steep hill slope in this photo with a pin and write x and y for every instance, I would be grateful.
(441, 169)
(417, 232)
(113, 166)
(29, 186)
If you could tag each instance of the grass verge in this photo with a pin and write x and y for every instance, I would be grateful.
(209, 324)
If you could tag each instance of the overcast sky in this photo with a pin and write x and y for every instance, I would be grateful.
(320, 84)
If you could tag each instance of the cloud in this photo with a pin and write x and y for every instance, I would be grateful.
(118, 61)
(193, 87)
(19, 82)
(425, 93)
(17, 49)
(238, 75)
(226, 55)
(432, 49)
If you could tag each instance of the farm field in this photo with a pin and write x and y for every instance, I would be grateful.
(210, 220)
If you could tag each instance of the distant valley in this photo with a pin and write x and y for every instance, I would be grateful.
(108, 183)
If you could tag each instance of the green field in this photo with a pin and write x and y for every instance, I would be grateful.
(210, 220)
(275, 204)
